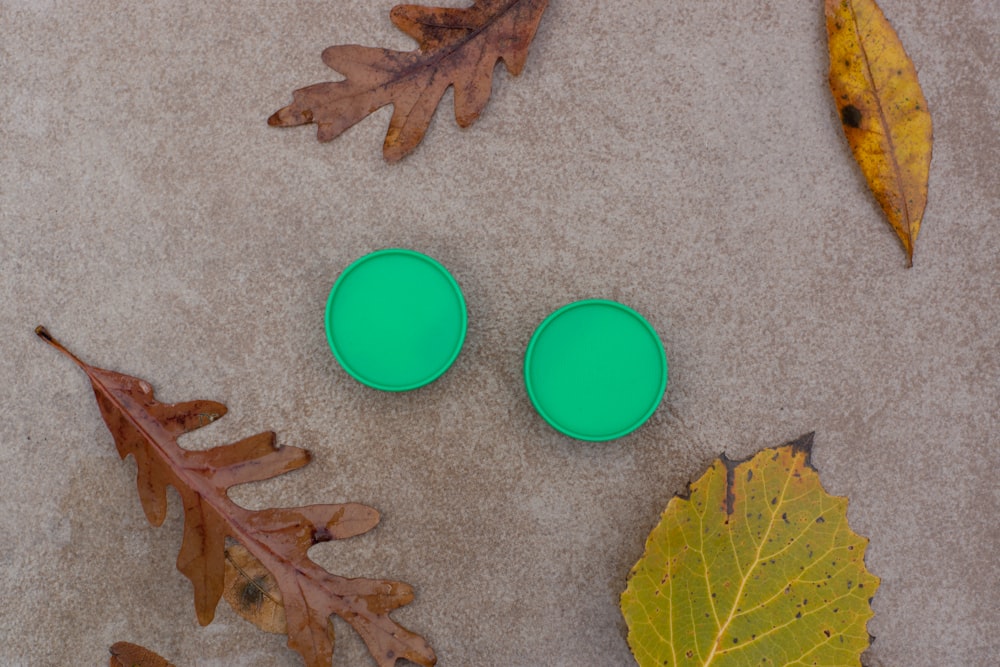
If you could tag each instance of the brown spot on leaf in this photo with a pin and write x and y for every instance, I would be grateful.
(251, 593)
(851, 116)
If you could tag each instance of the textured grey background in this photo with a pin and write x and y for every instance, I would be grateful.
(682, 157)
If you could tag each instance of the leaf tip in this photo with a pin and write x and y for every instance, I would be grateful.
(44, 334)
(281, 118)
(393, 154)
(290, 116)
(467, 118)
(804, 445)
(205, 614)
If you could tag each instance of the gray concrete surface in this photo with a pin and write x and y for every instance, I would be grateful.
(682, 157)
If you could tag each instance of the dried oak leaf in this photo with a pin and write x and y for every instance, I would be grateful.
(757, 565)
(882, 110)
(458, 47)
(253, 592)
(124, 654)
(278, 539)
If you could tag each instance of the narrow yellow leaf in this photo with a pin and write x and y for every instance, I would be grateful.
(757, 566)
(883, 111)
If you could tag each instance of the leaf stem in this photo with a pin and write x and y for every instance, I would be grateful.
(44, 334)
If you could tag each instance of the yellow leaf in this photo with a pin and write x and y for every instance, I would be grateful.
(757, 566)
(883, 111)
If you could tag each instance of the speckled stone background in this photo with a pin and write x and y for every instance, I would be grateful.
(682, 157)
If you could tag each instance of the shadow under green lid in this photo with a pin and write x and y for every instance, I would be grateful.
(396, 319)
(595, 370)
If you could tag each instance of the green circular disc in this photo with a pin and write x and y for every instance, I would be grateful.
(395, 319)
(595, 370)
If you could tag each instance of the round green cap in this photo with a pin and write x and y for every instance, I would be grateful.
(595, 370)
(395, 319)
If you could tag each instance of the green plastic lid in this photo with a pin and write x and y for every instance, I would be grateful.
(395, 319)
(595, 370)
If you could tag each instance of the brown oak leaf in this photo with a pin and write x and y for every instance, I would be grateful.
(124, 654)
(278, 539)
(458, 47)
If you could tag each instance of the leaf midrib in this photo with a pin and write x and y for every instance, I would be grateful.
(886, 128)
(219, 502)
(745, 577)
(442, 54)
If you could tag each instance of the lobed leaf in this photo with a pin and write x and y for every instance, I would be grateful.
(457, 47)
(277, 540)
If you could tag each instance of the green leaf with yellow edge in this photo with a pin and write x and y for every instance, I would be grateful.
(757, 566)
(882, 110)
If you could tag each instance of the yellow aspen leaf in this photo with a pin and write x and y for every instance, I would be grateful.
(883, 111)
(756, 566)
